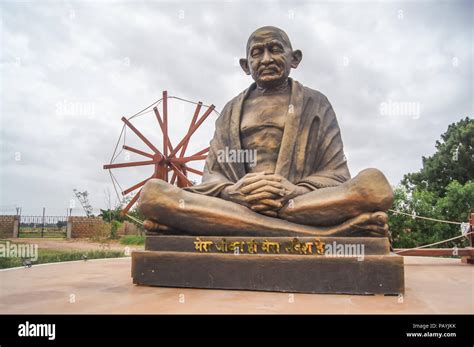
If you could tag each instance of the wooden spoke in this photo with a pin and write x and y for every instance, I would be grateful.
(180, 182)
(173, 178)
(162, 127)
(140, 135)
(158, 117)
(130, 204)
(193, 122)
(133, 163)
(190, 169)
(193, 129)
(205, 150)
(161, 172)
(136, 186)
(187, 159)
(131, 149)
(180, 174)
(166, 140)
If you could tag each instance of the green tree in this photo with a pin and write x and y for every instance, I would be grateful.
(114, 226)
(110, 215)
(456, 205)
(443, 189)
(453, 160)
(83, 198)
(116, 218)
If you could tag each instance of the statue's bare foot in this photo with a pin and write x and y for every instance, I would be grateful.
(372, 224)
(153, 226)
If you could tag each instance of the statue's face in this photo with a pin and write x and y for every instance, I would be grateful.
(270, 59)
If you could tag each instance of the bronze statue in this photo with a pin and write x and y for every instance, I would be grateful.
(294, 179)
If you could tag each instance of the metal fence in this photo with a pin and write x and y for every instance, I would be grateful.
(43, 226)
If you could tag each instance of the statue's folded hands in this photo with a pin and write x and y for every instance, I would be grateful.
(242, 192)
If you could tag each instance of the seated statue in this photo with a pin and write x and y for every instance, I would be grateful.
(295, 179)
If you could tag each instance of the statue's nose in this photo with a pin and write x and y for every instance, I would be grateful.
(267, 57)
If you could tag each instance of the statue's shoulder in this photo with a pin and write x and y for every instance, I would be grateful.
(319, 103)
(225, 116)
(314, 95)
(235, 101)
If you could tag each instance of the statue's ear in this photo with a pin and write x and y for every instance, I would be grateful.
(296, 55)
(244, 63)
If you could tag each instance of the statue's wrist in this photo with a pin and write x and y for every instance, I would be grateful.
(224, 194)
(302, 190)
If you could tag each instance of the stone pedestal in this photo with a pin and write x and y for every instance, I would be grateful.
(286, 264)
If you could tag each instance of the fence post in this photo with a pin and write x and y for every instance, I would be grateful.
(69, 228)
(42, 227)
(470, 259)
(16, 226)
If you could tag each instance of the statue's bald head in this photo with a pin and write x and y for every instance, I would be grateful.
(270, 57)
(269, 31)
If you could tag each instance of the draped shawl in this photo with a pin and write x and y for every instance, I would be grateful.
(311, 152)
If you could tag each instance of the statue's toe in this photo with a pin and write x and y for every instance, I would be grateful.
(153, 226)
(368, 224)
(379, 217)
(374, 230)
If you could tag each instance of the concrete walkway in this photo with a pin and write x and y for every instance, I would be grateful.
(433, 285)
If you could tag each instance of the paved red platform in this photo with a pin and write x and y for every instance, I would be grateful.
(433, 285)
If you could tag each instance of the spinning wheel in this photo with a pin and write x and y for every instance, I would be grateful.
(170, 159)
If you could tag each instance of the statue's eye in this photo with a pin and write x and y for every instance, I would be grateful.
(256, 52)
(276, 49)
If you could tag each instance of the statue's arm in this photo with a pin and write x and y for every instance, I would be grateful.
(215, 179)
(330, 164)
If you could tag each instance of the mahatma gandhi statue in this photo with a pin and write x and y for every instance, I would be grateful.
(297, 182)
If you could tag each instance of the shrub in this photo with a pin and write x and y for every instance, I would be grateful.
(132, 240)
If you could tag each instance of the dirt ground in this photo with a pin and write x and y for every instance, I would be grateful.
(76, 244)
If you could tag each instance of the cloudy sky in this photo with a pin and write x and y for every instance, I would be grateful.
(70, 70)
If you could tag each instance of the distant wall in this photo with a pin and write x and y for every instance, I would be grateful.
(8, 226)
(77, 227)
(86, 226)
(128, 228)
(94, 226)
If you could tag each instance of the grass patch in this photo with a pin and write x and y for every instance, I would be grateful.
(132, 240)
(26, 232)
(54, 256)
(49, 234)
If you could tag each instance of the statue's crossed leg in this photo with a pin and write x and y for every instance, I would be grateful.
(351, 208)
